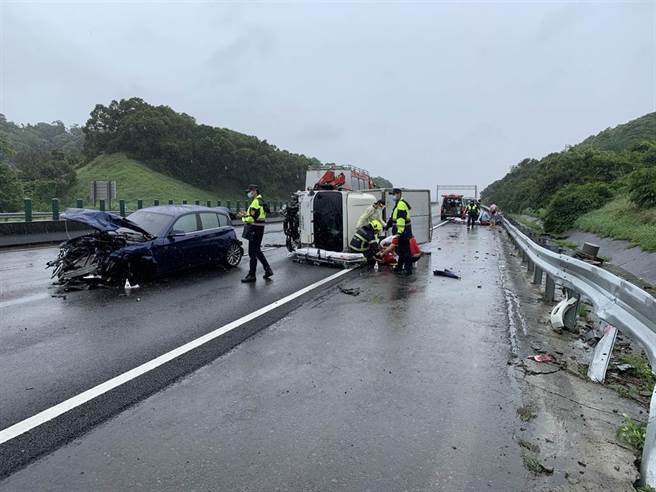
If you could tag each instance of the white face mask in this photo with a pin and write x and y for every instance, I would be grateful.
(250, 194)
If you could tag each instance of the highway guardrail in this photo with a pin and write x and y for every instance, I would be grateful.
(616, 301)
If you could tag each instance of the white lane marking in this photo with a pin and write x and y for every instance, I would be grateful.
(23, 300)
(440, 224)
(88, 395)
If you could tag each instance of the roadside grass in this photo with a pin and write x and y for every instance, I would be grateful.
(565, 244)
(632, 432)
(533, 223)
(620, 219)
(135, 180)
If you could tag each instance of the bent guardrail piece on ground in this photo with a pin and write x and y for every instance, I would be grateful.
(615, 301)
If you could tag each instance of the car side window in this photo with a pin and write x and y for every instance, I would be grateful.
(186, 223)
(209, 220)
(223, 220)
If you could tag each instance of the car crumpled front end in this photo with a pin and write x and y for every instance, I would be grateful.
(117, 250)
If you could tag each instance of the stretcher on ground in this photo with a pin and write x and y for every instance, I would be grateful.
(316, 256)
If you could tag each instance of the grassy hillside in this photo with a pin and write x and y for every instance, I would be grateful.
(135, 180)
(624, 136)
(620, 219)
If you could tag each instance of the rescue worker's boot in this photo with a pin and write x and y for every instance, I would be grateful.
(268, 273)
(249, 278)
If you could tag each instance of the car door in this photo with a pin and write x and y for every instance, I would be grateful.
(182, 248)
(216, 236)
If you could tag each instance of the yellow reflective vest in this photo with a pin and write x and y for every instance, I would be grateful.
(255, 213)
(400, 216)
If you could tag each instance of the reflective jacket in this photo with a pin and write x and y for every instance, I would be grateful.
(255, 213)
(472, 209)
(400, 217)
(364, 240)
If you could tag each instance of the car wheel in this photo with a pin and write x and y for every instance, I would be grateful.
(233, 255)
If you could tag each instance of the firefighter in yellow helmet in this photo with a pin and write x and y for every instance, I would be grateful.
(399, 221)
(364, 240)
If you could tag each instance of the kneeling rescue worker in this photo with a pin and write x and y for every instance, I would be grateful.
(399, 221)
(364, 240)
(256, 217)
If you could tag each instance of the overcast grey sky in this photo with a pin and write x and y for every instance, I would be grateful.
(421, 93)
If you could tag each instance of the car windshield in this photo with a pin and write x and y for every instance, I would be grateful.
(152, 222)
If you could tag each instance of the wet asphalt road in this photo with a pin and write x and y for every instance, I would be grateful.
(52, 348)
(403, 387)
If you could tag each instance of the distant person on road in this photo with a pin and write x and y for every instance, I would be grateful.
(372, 212)
(364, 240)
(473, 212)
(399, 221)
(254, 219)
(493, 215)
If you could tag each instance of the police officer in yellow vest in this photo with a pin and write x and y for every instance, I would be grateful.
(399, 221)
(254, 220)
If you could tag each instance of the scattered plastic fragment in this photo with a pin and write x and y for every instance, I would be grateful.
(129, 286)
(445, 273)
(623, 367)
(355, 291)
(542, 358)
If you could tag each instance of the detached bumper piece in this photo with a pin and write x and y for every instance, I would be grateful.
(317, 256)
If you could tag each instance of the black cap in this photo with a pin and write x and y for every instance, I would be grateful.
(396, 190)
(381, 201)
(251, 187)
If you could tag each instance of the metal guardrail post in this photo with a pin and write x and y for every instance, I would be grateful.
(79, 203)
(155, 203)
(237, 206)
(197, 202)
(209, 203)
(218, 203)
(184, 202)
(102, 205)
(537, 275)
(55, 209)
(228, 204)
(170, 202)
(549, 289)
(121, 207)
(530, 266)
(28, 210)
(139, 204)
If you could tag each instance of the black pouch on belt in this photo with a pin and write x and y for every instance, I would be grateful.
(248, 232)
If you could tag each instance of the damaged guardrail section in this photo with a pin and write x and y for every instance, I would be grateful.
(616, 301)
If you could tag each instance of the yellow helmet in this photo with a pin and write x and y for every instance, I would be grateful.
(377, 226)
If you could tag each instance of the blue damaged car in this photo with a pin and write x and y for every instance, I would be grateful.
(148, 243)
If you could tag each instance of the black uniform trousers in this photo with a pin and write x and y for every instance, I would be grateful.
(403, 251)
(255, 250)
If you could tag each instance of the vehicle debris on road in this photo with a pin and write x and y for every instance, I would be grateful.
(445, 273)
(355, 291)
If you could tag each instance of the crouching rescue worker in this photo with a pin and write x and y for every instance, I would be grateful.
(399, 221)
(254, 220)
(364, 240)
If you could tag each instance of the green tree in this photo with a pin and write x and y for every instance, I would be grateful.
(11, 191)
(642, 187)
(571, 202)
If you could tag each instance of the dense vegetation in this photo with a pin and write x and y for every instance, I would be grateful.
(174, 144)
(38, 161)
(561, 187)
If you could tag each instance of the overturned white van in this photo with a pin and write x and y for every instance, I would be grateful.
(326, 219)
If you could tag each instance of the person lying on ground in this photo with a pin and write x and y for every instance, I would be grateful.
(388, 255)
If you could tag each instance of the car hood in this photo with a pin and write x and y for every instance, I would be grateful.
(102, 221)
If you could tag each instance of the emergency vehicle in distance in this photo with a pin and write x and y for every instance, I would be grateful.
(453, 206)
(324, 216)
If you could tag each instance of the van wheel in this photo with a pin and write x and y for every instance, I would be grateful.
(233, 255)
